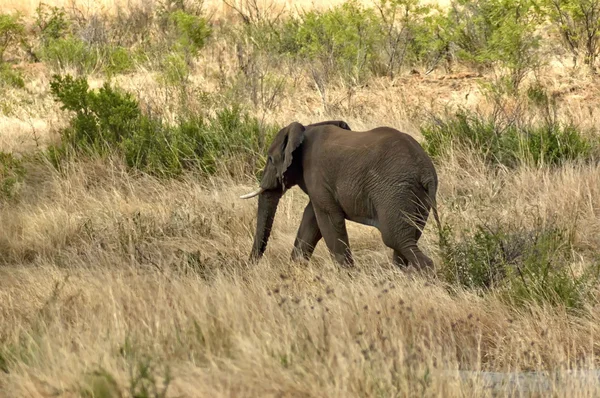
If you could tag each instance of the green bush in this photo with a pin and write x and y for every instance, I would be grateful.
(12, 32)
(51, 23)
(524, 263)
(109, 120)
(71, 52)
(10, 77)
(509, 145)
(191, 31)
(175, 71)
(411, 33)
(342, 39)
(119, 60)
(12, 173)
(497, 33)
(578, 24)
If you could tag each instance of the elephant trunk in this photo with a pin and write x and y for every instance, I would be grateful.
(267, 206)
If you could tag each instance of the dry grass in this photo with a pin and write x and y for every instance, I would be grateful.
(216, 7)
(103, 272)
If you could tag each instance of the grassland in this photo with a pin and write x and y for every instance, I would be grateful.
(117, 282)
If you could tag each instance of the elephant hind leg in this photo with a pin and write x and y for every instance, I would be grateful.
(401, 232)
(399, 259)
(415, 256)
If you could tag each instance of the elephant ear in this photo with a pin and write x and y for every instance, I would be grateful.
(291, 142)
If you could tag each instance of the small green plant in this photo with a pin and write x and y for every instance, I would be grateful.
(191, 31)
(10, 77)
(51, 23)
(118, 60)
(12, 173)
(102, 118)
(71, 52)
(100, 384)
(175, 71)
(143, 382)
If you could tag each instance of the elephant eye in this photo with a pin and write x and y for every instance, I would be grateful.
(270, 159)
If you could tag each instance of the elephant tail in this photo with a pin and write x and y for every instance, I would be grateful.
(431, 187)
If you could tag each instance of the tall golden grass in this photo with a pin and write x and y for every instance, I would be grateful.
(216, 7)
(113, 281)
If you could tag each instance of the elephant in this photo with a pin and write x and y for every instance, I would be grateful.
(381, 178)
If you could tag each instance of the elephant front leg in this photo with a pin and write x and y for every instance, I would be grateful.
(308, 235)
(333, 227)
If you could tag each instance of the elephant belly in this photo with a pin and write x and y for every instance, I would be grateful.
(365, 221)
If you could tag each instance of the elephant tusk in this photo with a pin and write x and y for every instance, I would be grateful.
(252, 194)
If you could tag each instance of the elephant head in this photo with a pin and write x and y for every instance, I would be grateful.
(282, 171)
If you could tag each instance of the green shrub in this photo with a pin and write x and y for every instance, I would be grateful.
(341, 39)
(119, 60)
(191, 31)
(578, 24)
(109, 120)
(51, 23)
(101, 118)
(143, 381)
(99, 384)
(509, 145)
(411, 33)
(524, 263)
(10, 76)
(497, 33)
(12, 173)
(71, 52)
(175, 70)
(12, 32)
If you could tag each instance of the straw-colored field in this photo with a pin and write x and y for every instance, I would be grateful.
(111, 282)
(28, 7)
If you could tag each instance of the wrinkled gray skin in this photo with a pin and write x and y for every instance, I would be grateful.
(380, 177)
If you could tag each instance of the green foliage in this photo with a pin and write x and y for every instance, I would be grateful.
(119, 60)
(502, 33)
(12, 32)
(51, 23)
(509, 145)
(410, 32)
(191, 31)
(109, 120)
(578, 24)
(342, 39)
(73, 52)
(185, 34)
(12, 173)
(70, 52)
(10, 77)
(174, 69)
(524, 263)
(144, 384)
(100, 384)
(101, 117)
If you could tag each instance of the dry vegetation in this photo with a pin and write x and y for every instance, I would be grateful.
(115, 282)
